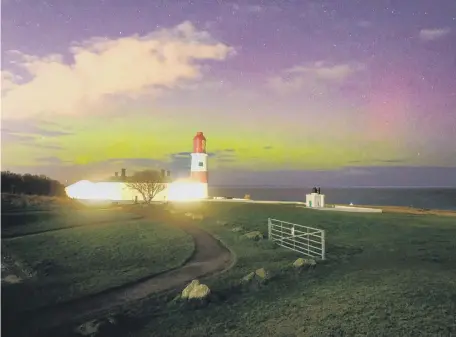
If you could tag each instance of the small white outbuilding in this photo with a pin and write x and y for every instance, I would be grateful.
(315, 200)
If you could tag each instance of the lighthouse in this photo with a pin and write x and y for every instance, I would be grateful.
(198, 170)
(199, 159)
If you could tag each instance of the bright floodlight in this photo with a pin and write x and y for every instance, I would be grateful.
(186, 191)
(86, 190)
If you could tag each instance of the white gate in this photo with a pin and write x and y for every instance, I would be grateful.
(302, 239)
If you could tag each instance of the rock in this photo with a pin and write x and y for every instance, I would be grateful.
(248, 278)
(222, 223)
(112, 320)
(106, 326)
(186, 292)
(255, 280)
(262, 274)
(12, 279)
(237, 229)
(89, 328)
(304, 263)
(199, 292)
(256, 235)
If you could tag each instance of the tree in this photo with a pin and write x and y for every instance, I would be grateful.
(15, 183)
(148, 183)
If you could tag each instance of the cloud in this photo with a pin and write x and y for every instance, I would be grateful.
(51, 160)
(48, 146)
(317, 73)
(102, 68)
(31, 135)
(180, 162)
(181, 155)
(9, 136)
(393, 161)
(9, 80)
(433, 33)
(30, 131)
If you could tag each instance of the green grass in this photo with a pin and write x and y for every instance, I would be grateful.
(85, 260)
(31, 203)
(386, 275)
(25, 223)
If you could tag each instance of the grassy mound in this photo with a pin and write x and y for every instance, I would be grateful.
(85, 260)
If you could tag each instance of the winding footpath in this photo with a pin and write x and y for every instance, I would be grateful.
(209, 257)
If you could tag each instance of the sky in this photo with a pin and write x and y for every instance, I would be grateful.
(288, 93)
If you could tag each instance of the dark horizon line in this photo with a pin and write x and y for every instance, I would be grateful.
(330, 187)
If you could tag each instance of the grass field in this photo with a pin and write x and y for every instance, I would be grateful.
(73, 262)
(24, 202)
(386, 275)
(27, 223)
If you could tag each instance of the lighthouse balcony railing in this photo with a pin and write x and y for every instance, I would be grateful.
(306, 240)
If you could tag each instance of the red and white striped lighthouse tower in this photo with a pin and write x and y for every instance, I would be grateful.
(199, 159)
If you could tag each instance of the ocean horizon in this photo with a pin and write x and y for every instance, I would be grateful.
(443, 198)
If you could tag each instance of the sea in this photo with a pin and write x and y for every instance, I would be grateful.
(427, 198)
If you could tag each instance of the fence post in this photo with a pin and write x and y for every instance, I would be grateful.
(269, 228)
(323, 245)
(293, 236)
(281, 232)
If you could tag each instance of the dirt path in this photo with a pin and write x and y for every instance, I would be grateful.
(209, 257)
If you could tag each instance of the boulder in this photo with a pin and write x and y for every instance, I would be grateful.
(237, 229)
(13, 279)
(255, 280)
(199, 292)
(255, 235)
(89, 328)
(222, 223)
(186, 292)
(106, 326)
(302, 263)
(262, 274)
(248, 278)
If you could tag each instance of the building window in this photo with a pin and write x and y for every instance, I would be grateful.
(201, 164)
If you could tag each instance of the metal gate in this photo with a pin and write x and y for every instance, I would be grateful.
(302, 239)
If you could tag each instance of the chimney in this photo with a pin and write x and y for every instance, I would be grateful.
(168, 173)
(163, 173)
(124, 173)
(116, 174)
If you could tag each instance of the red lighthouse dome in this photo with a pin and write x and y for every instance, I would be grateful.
(199, 143)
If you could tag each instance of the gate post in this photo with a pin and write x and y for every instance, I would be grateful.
(269, 228)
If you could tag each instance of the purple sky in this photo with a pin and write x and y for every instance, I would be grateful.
(301, 92)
